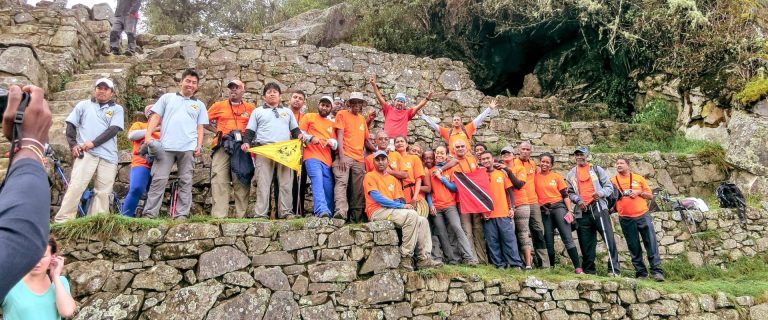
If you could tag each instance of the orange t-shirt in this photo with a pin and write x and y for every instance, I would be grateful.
(414, 168)
(297, 114)
(355, 133)
(626, 206)
(321, 128)
(369, 163)
(468, 164)
(584, 179)
(385, 184)
(451, 135)
(548, 187)
(228, 117)
(521, 195)
(441, 197)
(530, 180)
(499, 184)
(136, 159)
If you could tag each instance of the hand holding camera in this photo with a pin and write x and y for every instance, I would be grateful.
(32, 124)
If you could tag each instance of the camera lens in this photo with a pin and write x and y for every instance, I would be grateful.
(3, 100)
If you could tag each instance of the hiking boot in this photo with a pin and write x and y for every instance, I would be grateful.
(324, 215)
(130, 53)
(428, 263)
(406, 263)
(471, 263)
(579, 271)
(114, 51)
(338, 215)
(180, 218)
(613, 275)
(658, 277)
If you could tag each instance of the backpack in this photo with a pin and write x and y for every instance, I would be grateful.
(85, 202)
(729, 196)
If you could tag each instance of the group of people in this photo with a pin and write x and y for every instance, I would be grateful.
(478, 207)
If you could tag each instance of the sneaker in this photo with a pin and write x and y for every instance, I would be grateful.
(324, 215)
(115, 51)
(658, 277)
(289, 216)
(130, 53)
(338, 215)
(471, 263)
(613, 275)
(579, 271)
(406, 263)
(180, 218)
(428, 263)
(528, 268)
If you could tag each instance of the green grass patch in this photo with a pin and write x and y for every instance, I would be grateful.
(675, 143)
(753, 91)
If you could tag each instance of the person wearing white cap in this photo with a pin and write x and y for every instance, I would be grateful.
(228, 119)
(320, 139)
(396, 117)
(92, 127)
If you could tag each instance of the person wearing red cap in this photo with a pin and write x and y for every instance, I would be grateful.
(228, 119)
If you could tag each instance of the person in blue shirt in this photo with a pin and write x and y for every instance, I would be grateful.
(43, 293)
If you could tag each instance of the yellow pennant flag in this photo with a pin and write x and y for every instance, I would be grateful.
(287, 153)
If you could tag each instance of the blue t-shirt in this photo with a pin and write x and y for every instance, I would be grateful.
(21, 303)
(91, 120)
(180, 117)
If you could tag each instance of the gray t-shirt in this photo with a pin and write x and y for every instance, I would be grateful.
(91, 119)
(272, 125)
(180, 117)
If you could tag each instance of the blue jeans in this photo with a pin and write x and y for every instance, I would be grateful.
(321, 179)
(502, 242)
(139, 183)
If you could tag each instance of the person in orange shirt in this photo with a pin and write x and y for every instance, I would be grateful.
(228, 119)
(459, 131)
(518, 176)
(588, 188)
(552, 192)
(320, 139)
(349, 169)
(297, 104)
(498, 228)
(635, 220)
(384, 201)
(535, 223)
(411, 164)
(140, 167)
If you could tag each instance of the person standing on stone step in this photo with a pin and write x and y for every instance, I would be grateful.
(320, 140)
(181, 140)
(384, 202)
(270, 123)
(588, 188)
(635, 220)
(396, 116)
(140, 177)
(536, 224)
(228, 119)
(517, 175)
(125, 19)
(498, 227)
(92, 127)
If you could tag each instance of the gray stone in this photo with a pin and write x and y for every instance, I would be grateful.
(272, 278)
(192, 231)
(457, 295)
(102, 11)
(665, 308)
(239, 278)
(250, 304)
(388, 237)
(110, 306)
(22, 61)
(293, 240)
(645, 295)
(369, 314)
(87, 278)
(220, 261)
(556, 314)
(169, 51)
(521, 310)
(746, 143)
(300, 285)
(277, 258)
(334, 271)
(565, 294)
(183, 264)
(397, 311)
(117, 282)
(758, 312)
(341, 238)
(321, 312)
(381, 258)
(332, 255)
(167, 251)
(482, 310)
(158, 278)
(191, 302)
(256, 245)
(282, 306)
(576, 306)
(222, 55)
(314, 299)
(380, 288)
(722, 300)
(23, 17)
(639, 311)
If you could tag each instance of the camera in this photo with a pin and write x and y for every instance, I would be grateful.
(626, 193)
(237, 135)
(4, 100)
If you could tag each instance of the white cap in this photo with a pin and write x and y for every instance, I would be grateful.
(106, 81)
(330, 100)
(356, 96)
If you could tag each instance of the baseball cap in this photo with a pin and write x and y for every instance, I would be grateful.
(583, 150)
(235, 82)
(508, 149)
(356, 96)
(330, 100)
(380, 153)
(106, 81)
(401, 96)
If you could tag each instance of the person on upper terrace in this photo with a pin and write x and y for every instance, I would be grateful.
(397, 115)
(458, 130)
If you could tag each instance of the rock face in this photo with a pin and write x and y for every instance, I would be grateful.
(250, 304)
(747, 150)
(319, 27)
(220, 261)
(188, 303)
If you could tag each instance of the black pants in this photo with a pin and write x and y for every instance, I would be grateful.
(553, 216)
(634, 229)
(589, 227)
(299, 191)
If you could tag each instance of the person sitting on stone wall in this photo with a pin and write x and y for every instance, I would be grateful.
(139, 177)
(635, 220)
(411, 164)
(125, 19)
(228, 119)
(384, 201)
(396, 117)
(181, 139)
(272, 123)
(92, 127)
(320, 140)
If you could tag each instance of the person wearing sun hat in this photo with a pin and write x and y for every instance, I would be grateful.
(92, 127)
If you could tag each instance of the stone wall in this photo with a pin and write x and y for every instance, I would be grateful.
(321, 269)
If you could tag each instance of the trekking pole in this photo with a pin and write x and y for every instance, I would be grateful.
(174, 195)
(605, 236)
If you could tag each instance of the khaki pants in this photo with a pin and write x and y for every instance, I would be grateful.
(82, 172)
(415, 230)
(265, 168)
(222, 181)
(350, 182)
(473, 228)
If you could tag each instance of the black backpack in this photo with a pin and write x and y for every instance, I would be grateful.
(729, 196)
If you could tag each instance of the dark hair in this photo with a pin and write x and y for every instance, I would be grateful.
(52, 243)
(190, 72)
(481, 145)
(484, 152)
(622, 158)
(271, 85)
(549, 155)
(302, 93)
(401, 136)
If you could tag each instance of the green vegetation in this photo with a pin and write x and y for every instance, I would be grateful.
(133, 101)
(755, 90)
(64, 78)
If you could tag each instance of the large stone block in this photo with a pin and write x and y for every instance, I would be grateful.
(321, 312)
(177, 250)
(220, 261)
(188, 303)
(333, 271)
(380, 288)
(22, 61)
(192, 231)
(102, 11)
(87, 278)
(277, 258)
(110, 306)
(293, 240)
(272, 278)
(381, 258)
(282, 306)
(158, 278)
(250, 304)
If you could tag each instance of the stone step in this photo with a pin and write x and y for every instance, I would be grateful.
(87, 77)
(111, 65)
(82, 84)
(63, 107)
(57, 134)
(118, 59)
(108, 71)
(72, 94)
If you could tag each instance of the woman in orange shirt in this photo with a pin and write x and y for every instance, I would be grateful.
(139, 178)
(556, 210)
